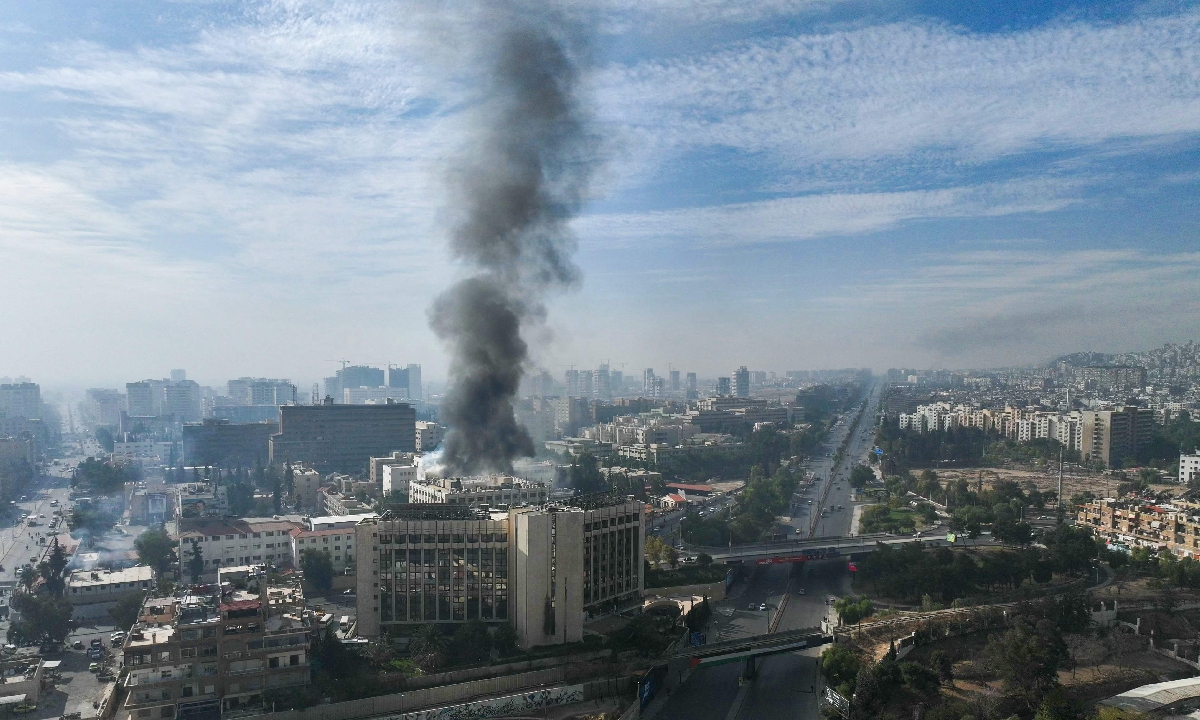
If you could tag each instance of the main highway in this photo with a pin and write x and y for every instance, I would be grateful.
(785, 685)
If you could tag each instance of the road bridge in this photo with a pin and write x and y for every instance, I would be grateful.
(749, 649)
(822, 548)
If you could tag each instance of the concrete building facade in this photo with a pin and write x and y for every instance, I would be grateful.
(342, 438)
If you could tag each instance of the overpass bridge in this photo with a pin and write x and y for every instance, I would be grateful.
(749, 649)
(793, 551)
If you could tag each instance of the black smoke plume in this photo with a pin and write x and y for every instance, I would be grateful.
(520, 182)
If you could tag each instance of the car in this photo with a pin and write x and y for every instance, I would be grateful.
(752, 606)
(348, 591)
(762, 606)
(96, 642)
(78, 644)
(94, 667)
(95, 653)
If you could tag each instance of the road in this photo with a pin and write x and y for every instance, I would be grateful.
(787, 685)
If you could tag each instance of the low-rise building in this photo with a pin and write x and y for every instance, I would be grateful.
(216, 649)
(338, 543)
(479, 490)
(93, 592)
(1137, 523)
(334, 502)
(233, 542)
(429, 436)
(1189, 468)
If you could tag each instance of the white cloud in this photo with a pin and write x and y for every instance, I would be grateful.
(812, 216)
(910, 90)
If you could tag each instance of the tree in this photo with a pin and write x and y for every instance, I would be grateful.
(943, 666)
(861, 476)
(58, 558)
(43, 619)
(704, 560)
(656, 549)
(505, 639)
(851, 609)
(195, 564)
(919, 678)
(1027, 658)
(840, 667)
(27, 577)
(154, 548)
(318, 568)
(585, 474)
(125, 611)
(672, 557)
(428, 648)
(471, 641)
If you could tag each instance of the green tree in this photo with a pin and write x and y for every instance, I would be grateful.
(44, 618)
(428, 648)
(852, 609)
(58, 558)
(104, 436)
(585, 474)
(155, 548)
(27, 577)
(125, 611)
(505, 639)
(471, 641)
(1027, 658)
(943, 666)
(318, 568)
(704, 560)
(195, 562)
(919, 678)
(861, 476)
(840, 667)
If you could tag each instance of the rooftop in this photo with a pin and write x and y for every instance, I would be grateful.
(1157, 695)
(138, 573)
(433, 511)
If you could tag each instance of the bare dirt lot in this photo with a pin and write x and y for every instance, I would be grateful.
(1045, 480)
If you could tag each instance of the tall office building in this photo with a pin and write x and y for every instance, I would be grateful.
(616, 382)
(415, 391)
(741, 382)
(221, 443)
(342, 438)
(541, 568)
(181, 399)
(674, 375)
(723, 386)
(104, 406)
(648, 382)
(353, 376)
(408, 378)
(260, 391)
(692, 385)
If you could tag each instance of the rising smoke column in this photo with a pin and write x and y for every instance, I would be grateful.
(521, 180)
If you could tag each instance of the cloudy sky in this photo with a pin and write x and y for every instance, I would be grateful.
(259, 188)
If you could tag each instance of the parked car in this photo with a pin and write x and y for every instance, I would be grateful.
(96, 642)
(762, 606)
(78, 644)
(94, 667)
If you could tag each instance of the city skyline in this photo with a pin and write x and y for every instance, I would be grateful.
(787, 185)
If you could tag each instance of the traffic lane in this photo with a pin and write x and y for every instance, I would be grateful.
(765, 585)
(784, 686)
(708, 693)
(820, 580)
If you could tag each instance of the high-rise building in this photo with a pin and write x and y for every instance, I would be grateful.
(541, 567)
(178, 375)
(572, 380)
(616, 382)
(261, 391)
(693, 387)
(601, 388)
(741, 382)
(674, 375)
(181, 399)
(570, 413)
(415, 391)
(429, 436)
(723, 386)
(220, 443)
(648, 382)
(1114, 436)
(144, 398)
(104, 406)
(22, 399)
(342, 438)
(758, 377)
(353, 376)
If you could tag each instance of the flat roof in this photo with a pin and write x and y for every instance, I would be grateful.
(137, 573)
(12, 699)
(694, 488)
(1156, 695)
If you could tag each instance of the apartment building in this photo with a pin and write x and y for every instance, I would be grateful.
(238, 542)
(1189, 468)
(214, 650)
(219, 443)
(93, 593)
(397, 479)
(1114, 436)
(543, 567)
(482, 490)
(337, 542)
(331, 501)
(377, 464)
(1131, 522)
(429, 436)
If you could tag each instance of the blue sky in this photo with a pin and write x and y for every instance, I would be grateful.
(258, 188)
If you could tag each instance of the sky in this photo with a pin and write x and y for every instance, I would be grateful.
(260, 188)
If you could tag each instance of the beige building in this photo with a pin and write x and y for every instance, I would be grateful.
(235, 542)
(485, 490)
(1136, 523)
(1114, 436)
(338, 543)
(542, 568)
(94, 592)
(215, 650)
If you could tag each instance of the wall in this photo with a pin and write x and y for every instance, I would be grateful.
(476, 673)
(714, 591)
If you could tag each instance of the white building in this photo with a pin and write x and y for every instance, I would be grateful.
(429, 435)
(143, 449)
(397, 478)
(482, 490)
(94, 592)
(1189, 468)
(250, 541)
(338, 543)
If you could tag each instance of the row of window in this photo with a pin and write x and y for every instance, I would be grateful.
(443, 539)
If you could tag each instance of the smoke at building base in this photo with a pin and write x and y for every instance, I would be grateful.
(523, 174)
